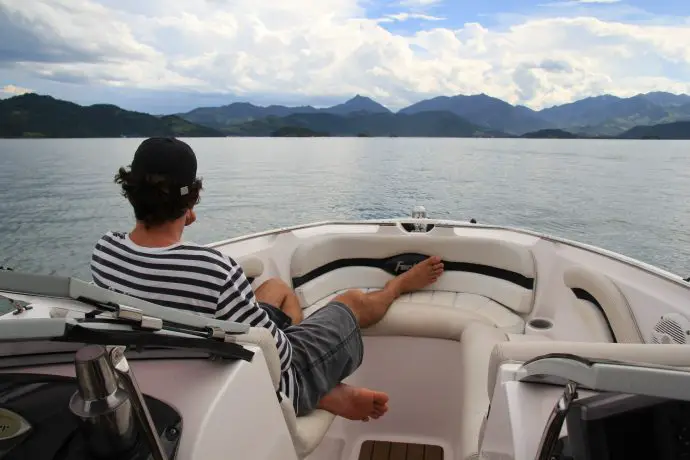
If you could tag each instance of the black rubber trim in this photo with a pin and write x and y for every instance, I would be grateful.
(581, 359)
(392, 264)
(586, 296)
(226, 350)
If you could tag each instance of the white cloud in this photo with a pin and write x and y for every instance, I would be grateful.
(401, 17)
(317, 48)
(580, 2)
(12, 90)
(417, 3)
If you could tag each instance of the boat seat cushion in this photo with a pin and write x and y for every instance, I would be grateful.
(437, 314)
(306, 431)
(252, 266)
(502, 271)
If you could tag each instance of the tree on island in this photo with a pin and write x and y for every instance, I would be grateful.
(297, 131)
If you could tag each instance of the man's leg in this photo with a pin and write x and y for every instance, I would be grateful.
(371, 307)
(276, 292)
(327, 346)
(361, 403)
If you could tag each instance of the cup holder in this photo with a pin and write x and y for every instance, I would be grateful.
(540, 324)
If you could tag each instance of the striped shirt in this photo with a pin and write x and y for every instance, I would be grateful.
(187, 277)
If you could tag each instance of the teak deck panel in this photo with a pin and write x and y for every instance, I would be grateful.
(383, 450)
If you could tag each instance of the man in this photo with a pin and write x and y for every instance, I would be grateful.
(151, 262)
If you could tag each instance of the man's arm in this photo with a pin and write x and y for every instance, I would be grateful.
(237, 303)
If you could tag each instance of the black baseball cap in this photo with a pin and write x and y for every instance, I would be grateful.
(168, 157)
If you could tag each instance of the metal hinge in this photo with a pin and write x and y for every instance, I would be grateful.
(136, 316)
(216, 333)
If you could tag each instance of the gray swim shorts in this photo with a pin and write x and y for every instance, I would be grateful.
(326, 348)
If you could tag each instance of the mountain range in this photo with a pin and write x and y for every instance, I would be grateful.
(606, 116)
(599, 116)
(33, 115)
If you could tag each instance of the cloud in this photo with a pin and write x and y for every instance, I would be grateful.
(419, 3)
(12, 90)
(401, 17)
(324, 50)
(580, 2)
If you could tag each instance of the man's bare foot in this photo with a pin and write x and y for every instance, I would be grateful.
(420, 276)
(355, 403)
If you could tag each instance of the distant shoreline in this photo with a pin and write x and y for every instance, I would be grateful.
(345, 137)
(32, 116)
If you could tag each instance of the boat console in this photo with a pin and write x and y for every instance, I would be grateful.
(629, 411)
(100, 413)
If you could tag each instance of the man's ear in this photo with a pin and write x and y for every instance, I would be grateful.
(190, 217)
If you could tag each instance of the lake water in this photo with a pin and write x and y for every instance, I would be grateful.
(57, 196)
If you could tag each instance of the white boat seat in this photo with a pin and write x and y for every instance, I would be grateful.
(252, 266)
(502, 271)
(601, 291)
(306, 431)
(478, 342)
(437, 314)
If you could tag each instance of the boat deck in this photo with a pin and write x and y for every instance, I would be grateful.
(382, 450)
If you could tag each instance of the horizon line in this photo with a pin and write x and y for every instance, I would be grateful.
(317, 107)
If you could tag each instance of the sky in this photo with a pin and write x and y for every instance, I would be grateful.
(167, 56)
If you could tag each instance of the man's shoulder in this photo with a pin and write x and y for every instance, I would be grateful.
(210, 254)
(191, 252)
(111, 236)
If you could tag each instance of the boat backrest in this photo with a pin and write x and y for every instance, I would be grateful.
(500, 270)
(598, 291)
(252, 266)
(306, 431)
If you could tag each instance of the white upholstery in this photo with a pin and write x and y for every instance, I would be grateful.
(503, 292)
(318, 251)
(306, 431)
(437, 314)
(612, 301)
(594, 320)
(253, 267)
(477, 343)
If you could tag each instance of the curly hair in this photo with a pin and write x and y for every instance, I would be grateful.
(155, 198)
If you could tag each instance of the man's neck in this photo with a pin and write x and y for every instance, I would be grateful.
(157, 237)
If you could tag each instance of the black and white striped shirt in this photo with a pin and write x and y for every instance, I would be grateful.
(187, 277)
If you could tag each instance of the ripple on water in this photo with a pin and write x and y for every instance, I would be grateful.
(618, 195)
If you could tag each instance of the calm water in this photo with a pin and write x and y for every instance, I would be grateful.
(57, 196)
